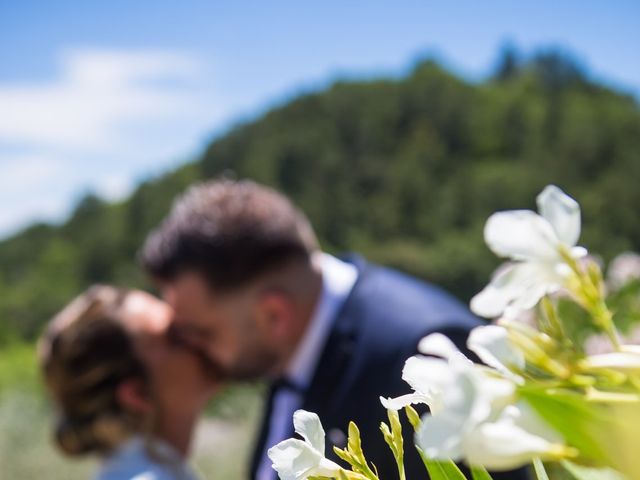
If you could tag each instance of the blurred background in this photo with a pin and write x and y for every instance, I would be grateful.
(397, 126)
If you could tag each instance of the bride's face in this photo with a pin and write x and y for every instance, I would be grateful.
(179, 384)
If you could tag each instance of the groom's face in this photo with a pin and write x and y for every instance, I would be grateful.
(221, 327)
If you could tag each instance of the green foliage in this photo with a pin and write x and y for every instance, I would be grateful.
(443, 470)
(18, 369)
(392, 434)
(405, 171)
(354, 455)
(580, 472)
(479, 473)
(581, 423)
(625, 304)
(538, 467)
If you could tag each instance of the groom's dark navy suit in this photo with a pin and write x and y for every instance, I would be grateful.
(377, 329)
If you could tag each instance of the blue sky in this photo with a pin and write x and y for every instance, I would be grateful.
(99, 95)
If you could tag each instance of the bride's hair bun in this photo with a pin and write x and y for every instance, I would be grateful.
(75, 438)
(100, 434)
(85, 354)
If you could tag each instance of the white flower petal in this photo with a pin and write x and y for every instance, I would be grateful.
(528, 419)
(615, 360)
(473, 395)
(398, 403)
(326, 468)
(531, 296)
(496, 392)
(521, 235)
(562, 212)
(520, 285)
(308, 425)
(293, 459)
(503, 446)
(440, 436)
(438, 345)
(491, 344)
(428, 377)
(578, 252)
(631, 349)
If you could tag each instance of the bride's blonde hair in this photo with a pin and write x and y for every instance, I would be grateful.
(85, 354)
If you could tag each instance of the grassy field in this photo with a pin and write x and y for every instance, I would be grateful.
(222, 444)
(223, 439)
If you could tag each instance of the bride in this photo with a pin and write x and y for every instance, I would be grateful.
(124, 391)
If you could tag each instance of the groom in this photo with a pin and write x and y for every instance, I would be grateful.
(257, 298)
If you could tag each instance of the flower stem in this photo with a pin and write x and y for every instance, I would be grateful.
(587, 287)
(541, 473)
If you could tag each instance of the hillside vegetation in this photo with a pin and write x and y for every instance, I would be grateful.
(405, 171)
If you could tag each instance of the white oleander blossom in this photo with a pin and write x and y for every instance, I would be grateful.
(296, 459)
(513, 439)
(474, 414)
(491, 344)
(429, 376)
(537, 244)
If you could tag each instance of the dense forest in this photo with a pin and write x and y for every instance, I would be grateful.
(404, 171)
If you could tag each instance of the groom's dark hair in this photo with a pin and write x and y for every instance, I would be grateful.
(229, 231)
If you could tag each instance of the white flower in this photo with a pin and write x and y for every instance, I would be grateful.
(480, 425)
(470, 400)
(534, 242)
(628, 360)
(429, 377)
(472, 413)
(516, 437)
(491, 344)
(467, 395)
(295, 459)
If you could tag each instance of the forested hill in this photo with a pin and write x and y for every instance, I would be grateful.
(405, 171)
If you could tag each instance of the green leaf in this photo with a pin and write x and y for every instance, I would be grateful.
(478, 472)
(581, 423)
(443, 469)
(580, 472)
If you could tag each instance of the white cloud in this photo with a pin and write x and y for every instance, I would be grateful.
(106, 119)
(97, 92)
(114, 186)
(29, 172)
(28, 191)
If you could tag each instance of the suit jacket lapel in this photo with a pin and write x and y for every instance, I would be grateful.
(322, 397)
(326, 388)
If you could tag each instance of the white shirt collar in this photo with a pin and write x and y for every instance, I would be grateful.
(338, 278)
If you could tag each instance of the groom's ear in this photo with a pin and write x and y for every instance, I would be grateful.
(133, 395)
(275, 315)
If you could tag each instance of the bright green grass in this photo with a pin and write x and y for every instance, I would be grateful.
(18, 368)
